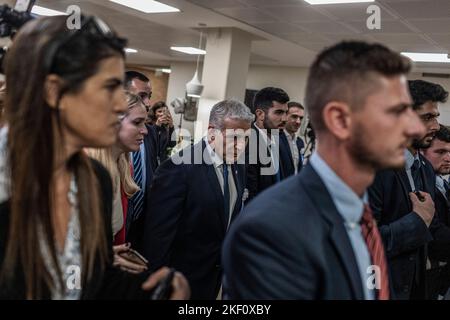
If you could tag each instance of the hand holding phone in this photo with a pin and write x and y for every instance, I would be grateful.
(136, 257)
(163, 289)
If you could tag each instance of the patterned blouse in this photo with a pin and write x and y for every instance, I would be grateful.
(69, 259)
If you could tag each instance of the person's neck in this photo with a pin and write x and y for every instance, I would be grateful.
(292, 134)
(117, 151)
(65, 148)
(413, 151)
(357, 176)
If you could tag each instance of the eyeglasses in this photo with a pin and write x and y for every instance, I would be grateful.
(91, 25)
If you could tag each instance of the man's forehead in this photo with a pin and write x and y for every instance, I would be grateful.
(429, 107)
(142, 85)
(439, 144)
(279, 106)
(297, 110)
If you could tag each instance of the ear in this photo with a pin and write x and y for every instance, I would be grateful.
(260, 114)
(211, 133)
(52, 87)
(337, 117)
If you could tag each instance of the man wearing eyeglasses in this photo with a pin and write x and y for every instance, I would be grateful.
(403, 202)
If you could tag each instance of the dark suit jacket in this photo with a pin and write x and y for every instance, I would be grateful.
(404, 233)
(156, 143)
(110, 284)
(286, 157)
(290, 242)
(258, 159)
(185, 223)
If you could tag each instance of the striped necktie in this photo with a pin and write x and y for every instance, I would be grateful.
(138, 198)
(376, 249)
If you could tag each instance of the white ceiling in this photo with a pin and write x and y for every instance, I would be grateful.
(288, 32)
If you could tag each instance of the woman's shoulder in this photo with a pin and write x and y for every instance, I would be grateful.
(103, 177)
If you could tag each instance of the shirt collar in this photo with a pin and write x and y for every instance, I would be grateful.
(410, 158)
(288, 135)
(348, 203)
(263, 133)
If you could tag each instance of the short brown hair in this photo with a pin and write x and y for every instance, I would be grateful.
(346, 73)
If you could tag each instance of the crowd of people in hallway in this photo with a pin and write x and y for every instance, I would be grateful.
(94, 206)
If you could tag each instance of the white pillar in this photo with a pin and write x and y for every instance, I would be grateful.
(225, 71)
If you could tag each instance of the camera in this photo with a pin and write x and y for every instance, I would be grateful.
(11, 20)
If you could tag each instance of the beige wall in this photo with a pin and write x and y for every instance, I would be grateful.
(159, 81)
(291, 79)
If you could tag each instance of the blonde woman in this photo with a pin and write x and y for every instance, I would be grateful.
(116, 160)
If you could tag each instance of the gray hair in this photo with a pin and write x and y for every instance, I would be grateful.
(231, 109)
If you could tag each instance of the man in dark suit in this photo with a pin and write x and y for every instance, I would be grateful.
(312, 236)
(291, 145)
(195, 196)
(264, 167)
(406, 223)
(438, 275)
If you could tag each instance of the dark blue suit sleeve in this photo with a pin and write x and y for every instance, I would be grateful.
(439, 248)
(167, 198)
(407, 233)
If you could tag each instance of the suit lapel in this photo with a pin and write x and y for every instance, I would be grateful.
(239, 189)
(215, 187)
(286, 149)
(337, 232)
(402, 177)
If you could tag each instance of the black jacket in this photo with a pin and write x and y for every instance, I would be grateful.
(407, 240)
(260, 169)
(286, 157)
(185, 224)
(110, 284)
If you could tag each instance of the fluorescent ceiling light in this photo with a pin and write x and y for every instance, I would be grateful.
(42, 11)
(129, 50)
(147, 6)
(165, 70)
(427, 57)
(336, 1)
(188, 50)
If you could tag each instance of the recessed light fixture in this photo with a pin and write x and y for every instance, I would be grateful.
(130, 50)
(336, 1)
(427, 57)
(147, 6)
(166, 70)
(42, 11)
(188, 50)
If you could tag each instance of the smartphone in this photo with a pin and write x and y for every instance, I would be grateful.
(163, 289)
(134, 255)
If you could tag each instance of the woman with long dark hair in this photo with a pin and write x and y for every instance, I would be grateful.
(64, 93)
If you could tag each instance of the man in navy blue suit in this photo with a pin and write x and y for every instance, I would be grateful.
(312, 236)
(410, 231)
(195, 196)
(438, 154)
(291, 145)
